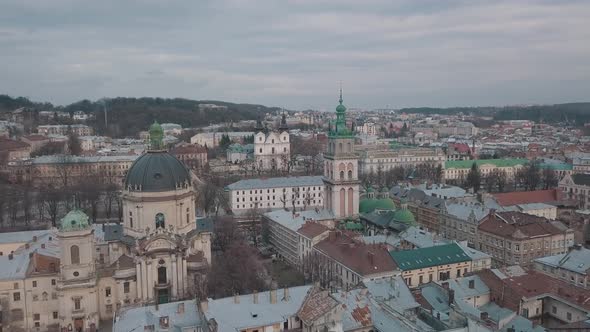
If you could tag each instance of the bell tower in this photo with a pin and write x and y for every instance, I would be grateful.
(341, 168)
(78, 301)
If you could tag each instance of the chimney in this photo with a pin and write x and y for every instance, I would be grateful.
(204, 305)
(286, 294)
(42, 245)
(273, 296)
(180, 308)
(445, 285)
(483, 315)
(30, 255)
(371, 258)
(451, 296)
(237, 298)
(472, 284)
(511, 329)
(255, 297)
(10, 256)
(35, 238)
(27, 246)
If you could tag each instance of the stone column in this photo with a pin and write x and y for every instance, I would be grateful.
(184, 275)
(144, 279)
(181, 291)
(174, 281)
(138, 282)
(150, 277)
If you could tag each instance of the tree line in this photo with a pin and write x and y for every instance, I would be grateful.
(530, 177)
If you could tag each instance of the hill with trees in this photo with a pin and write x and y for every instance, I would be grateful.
(128, 116)
(572, 113)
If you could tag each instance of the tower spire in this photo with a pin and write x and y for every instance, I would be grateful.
(340, 100)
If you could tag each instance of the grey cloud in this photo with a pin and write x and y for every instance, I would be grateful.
(294, 53)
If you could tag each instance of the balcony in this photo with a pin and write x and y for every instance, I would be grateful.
(162, 285)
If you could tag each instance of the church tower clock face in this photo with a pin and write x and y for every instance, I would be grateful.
(160, 220)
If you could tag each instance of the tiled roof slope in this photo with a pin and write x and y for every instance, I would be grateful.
(431, 256)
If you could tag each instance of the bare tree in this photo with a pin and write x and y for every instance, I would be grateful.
(549, 179)
(53, 199)
(226, 232)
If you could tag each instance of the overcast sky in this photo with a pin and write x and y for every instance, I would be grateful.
(294, 53)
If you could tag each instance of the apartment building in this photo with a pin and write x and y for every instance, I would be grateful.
(291, 234)
(519, 238)
(438, 263)
(572, 267)
(458, 169)
(341, 261)
(300, 192)
(64, 170)
(577, 188)
(459, 221)
(425, 208)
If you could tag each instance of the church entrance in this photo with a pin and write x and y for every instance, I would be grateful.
(163, 296)
(78, 325)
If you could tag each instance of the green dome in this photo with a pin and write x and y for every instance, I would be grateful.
(404, 216)
(384, 189)
(340, 108)
(370, 190)
(73, 221)
(369, 205)
(156, 171)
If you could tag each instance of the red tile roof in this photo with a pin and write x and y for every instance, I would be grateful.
(364, 259)
(312, 229)
(12, 145)
(316, 304)
(526, 197)
(36, 137)
(517, 225)
(509, 291)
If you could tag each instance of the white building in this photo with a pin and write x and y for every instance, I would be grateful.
(212, 139)
(372, 161)
(299, 192)
(272, 149)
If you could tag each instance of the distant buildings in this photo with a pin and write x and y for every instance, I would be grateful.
(385, 160)
(78, 129)
(13, 150)
(212, 139)
(193, 156)
(458, 169)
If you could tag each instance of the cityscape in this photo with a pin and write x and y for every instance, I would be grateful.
(256, 202)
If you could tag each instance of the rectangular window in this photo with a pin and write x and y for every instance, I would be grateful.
(77, 304)
(126, 287)
(554, 309)
(569, 316)
(55, 315)
(52, 282)
(109, 308)
(107, 292)
(36, 317)
(16, 296)
(34, 283)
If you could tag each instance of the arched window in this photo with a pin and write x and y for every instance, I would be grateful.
(349, 147)
(273, 150)
(341, 175)
(339, 147)
(75, 254)
(160, 220)
(349, 174)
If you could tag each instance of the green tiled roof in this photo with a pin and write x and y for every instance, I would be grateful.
(557, 166)
(497, 162)
(426, 257)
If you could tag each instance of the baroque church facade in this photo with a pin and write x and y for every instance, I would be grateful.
(73, 277)
(272, 149)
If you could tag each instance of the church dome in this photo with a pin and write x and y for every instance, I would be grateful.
(340, 108)
(404, 216)
(74, 220)
(369, 205)
(157, 171)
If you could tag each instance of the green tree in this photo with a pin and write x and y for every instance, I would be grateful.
(473, 178)
(224, 142)
(74, 145)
